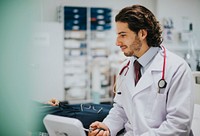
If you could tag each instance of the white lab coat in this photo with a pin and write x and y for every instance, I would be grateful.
(145, 112)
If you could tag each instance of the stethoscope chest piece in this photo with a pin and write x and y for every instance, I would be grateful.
(162, 83)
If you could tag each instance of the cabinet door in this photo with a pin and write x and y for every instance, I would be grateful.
(47, 62)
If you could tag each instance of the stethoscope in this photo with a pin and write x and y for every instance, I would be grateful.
(161, 83)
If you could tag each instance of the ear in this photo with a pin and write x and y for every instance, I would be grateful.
(142, 34)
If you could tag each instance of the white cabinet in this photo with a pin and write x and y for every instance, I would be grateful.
(47, 62)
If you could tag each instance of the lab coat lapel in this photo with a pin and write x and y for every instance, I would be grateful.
(147, 78)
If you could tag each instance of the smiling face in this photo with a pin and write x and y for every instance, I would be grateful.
(131, 43)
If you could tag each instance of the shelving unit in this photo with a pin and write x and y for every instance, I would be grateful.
(86, 52)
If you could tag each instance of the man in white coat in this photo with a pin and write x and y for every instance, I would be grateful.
(161, 102)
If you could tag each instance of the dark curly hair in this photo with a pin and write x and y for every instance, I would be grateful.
(138, 17)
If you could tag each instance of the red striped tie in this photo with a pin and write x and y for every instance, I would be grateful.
(137, 67)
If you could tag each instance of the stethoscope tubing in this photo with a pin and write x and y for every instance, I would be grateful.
(126, 66)
(163, 70)
(164, 64)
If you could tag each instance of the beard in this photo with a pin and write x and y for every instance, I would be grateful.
(134, 48)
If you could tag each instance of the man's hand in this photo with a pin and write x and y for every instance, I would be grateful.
(53, 102)
(99, 129)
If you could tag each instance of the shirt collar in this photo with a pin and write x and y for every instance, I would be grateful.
(148, 56)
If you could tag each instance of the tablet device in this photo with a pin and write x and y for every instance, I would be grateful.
(63, 126)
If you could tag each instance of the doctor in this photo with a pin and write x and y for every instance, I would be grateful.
(161, 102)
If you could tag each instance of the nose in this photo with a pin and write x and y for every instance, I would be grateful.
(118, 42)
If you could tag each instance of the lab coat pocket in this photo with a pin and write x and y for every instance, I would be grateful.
(158, 110)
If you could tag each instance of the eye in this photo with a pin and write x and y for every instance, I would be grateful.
(123, 35)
